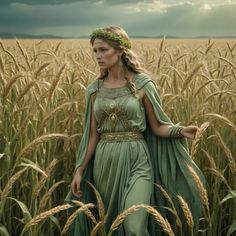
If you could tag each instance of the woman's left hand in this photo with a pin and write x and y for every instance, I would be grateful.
(189, 131)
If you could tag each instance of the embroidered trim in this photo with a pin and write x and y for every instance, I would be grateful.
(121, 136)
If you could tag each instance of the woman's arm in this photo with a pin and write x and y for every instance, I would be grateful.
(157, 128)
(162, 130)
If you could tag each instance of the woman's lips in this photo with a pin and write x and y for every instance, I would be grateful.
(101, 63)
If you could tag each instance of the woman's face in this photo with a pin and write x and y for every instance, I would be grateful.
(106, 55)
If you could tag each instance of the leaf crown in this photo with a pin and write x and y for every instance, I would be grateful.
(111, 36)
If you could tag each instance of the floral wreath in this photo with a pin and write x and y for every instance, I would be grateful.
(111, 36)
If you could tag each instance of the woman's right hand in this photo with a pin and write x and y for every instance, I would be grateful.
(75, 185)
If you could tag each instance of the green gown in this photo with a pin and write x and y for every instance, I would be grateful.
(124, 171)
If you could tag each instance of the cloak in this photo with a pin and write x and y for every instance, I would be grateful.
(169, 158)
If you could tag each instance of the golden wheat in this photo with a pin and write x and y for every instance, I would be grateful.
(201, 189)
(45, 215)
(72, 217)
(42, 139)
(47, 195)
(229, 155)
(186, 211)
(197, 138)
(196, 80)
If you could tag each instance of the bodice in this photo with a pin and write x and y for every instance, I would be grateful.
(117, 110)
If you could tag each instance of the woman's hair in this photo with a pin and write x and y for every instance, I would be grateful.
(128, 58)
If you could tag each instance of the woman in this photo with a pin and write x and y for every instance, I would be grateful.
(129, 143)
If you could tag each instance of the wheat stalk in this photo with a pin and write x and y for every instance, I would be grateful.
(43, 179)
(42, 139)
(166, 195)
(88, 212)
(224, 119)
(72, 217)
(190, 76)
(101, 207)
(158, 217)
(47, 195)
(121, 217)
(41, 68)
(197, 138)
(211, 159)
(23, 53)
(229, 155)
(45, 215)
(7, 189)
(202, 191)
(8, 86)
(25, 90)
(11, 55)
(55, 82)
(186, 211)
(54, 111)
(99, 227)
(218, 174)
(228, 61)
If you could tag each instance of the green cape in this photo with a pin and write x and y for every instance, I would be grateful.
(170, 160)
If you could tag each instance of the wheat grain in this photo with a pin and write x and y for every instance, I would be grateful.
(202, 191)
(7, 189)
(45, 215)
(229, 155)
(47, 195)
(186, 211)
(197, 138)
(71, 219)
(88, 212)
(158, 217)
(42, 139)
(101, 207)
(43, 179)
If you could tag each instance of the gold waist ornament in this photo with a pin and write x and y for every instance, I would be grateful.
(121, 136)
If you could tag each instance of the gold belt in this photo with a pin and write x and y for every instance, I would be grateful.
(121, 136)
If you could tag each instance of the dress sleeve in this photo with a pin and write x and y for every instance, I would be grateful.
(88, 195)
(85, 136)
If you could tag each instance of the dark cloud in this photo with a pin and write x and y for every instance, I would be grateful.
(120, 2)
(20, 18)
(61, 15)
(40, 2)
(81, 17)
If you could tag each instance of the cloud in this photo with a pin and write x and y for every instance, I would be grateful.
(39, 2)
(146, 17)
(80, 17)
(185, 20)
(158, 6)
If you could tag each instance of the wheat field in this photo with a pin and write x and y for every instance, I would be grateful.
(42, 84)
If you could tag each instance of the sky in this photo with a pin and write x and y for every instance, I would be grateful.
(73, 18)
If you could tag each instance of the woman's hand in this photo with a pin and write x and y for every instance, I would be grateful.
(189, 131)
(75, 185)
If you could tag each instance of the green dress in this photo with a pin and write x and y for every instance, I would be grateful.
(123, 171)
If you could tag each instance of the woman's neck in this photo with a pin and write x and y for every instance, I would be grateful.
(115, 73)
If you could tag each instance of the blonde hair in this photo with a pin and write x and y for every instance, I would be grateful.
(128, 58)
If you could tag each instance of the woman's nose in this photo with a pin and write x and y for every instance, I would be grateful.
(98, 56)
